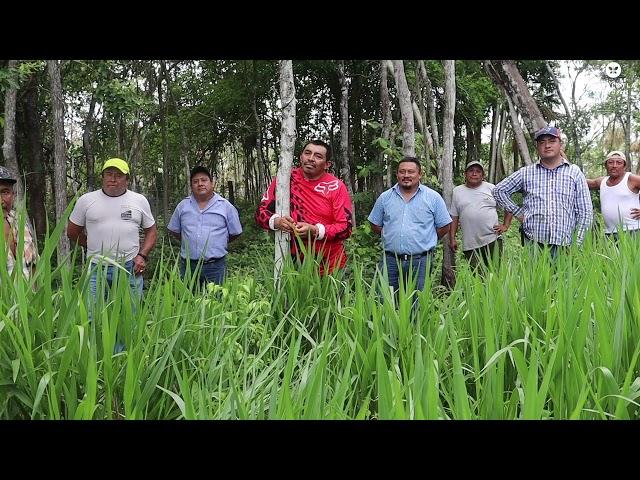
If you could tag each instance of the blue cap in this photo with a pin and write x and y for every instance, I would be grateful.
(553, 131)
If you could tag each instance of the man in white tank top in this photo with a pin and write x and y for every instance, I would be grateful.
(619, 195)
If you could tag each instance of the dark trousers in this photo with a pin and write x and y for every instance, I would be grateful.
(210, 272)
(485, 254)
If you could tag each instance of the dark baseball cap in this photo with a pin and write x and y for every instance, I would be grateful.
(7, 175)
(548, 130)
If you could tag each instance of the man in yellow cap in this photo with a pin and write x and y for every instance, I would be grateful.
(106, 222)
(619, 196)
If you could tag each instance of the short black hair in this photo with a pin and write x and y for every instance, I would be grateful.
(200, 169)
(415, 160)
(320, 143)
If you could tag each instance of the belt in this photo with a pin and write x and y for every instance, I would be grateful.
(205, 262)
(407, 256)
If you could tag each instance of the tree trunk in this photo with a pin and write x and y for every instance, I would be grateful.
(424, 129)
(518, 133)
(516, 158)
(287, 143)
(385, 106)
(344, 133)
(36, 181)
(572, 125)
(162, 110)
(575, 113)
(263, 179)
(406, 110)
(505, 74)
(627, 136)
(431, 106)
(87, 144)
(448, 260)
(60, 163)
(492, 149)
(9, 145)
(499, 171)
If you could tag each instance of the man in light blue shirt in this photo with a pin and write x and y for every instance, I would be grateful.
(205, 223)
(411, 218)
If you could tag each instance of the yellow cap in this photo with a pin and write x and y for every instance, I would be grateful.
(117, 163)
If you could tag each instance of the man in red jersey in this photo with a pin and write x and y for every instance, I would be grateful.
(320, 208)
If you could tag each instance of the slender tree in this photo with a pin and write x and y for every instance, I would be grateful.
(287, 145)
(60, 158)
(406, 110)
(448, 260)
(9, 145)
(344, 132)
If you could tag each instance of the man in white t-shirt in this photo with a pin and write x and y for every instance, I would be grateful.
(619, 193)
(107, 221)
(474, 208)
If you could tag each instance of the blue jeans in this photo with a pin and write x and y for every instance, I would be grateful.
(212, 272)
(417, 264)
(136, 284)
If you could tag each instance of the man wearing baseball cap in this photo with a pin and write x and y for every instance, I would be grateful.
(107, 221)
(619, 195)
(474, 208)
(11, 229)
(556, 201)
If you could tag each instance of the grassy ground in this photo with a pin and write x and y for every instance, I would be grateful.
(530, 339)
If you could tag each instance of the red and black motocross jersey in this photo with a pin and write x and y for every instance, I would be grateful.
(325, 201)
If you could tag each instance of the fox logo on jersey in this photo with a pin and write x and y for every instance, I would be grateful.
(326, 187)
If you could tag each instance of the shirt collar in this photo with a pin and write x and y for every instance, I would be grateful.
(564, 162)
(421, 188)
(211, 201)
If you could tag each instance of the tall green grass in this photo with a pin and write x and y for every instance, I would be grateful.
(531, 338)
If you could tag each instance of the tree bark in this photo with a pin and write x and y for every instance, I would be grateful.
(499, 171)
(36, 182)
(518, 133)
(287, 143)
(406, 110)
(627, 136)
(424, 129)
(263, 181)
(572, 125)
(431, 106)
(505, 74)
(9, 145)
(492, 148)
(385, 104)
(162, 110)
(448, 260)
(344, 133)
(87, 144)
(60, 160)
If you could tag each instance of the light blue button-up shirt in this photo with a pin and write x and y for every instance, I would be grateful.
(409, 227)
(205, 233)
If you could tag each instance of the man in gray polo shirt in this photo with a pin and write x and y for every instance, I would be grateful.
(474, 208)
(107, 222)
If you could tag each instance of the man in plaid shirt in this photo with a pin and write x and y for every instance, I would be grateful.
(556, 200)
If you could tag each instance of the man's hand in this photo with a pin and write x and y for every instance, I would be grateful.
(453, 244)
(138, 265)
(284, 224)
(521, 218)
(500, 228)
(303, 229)
(635, 213)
